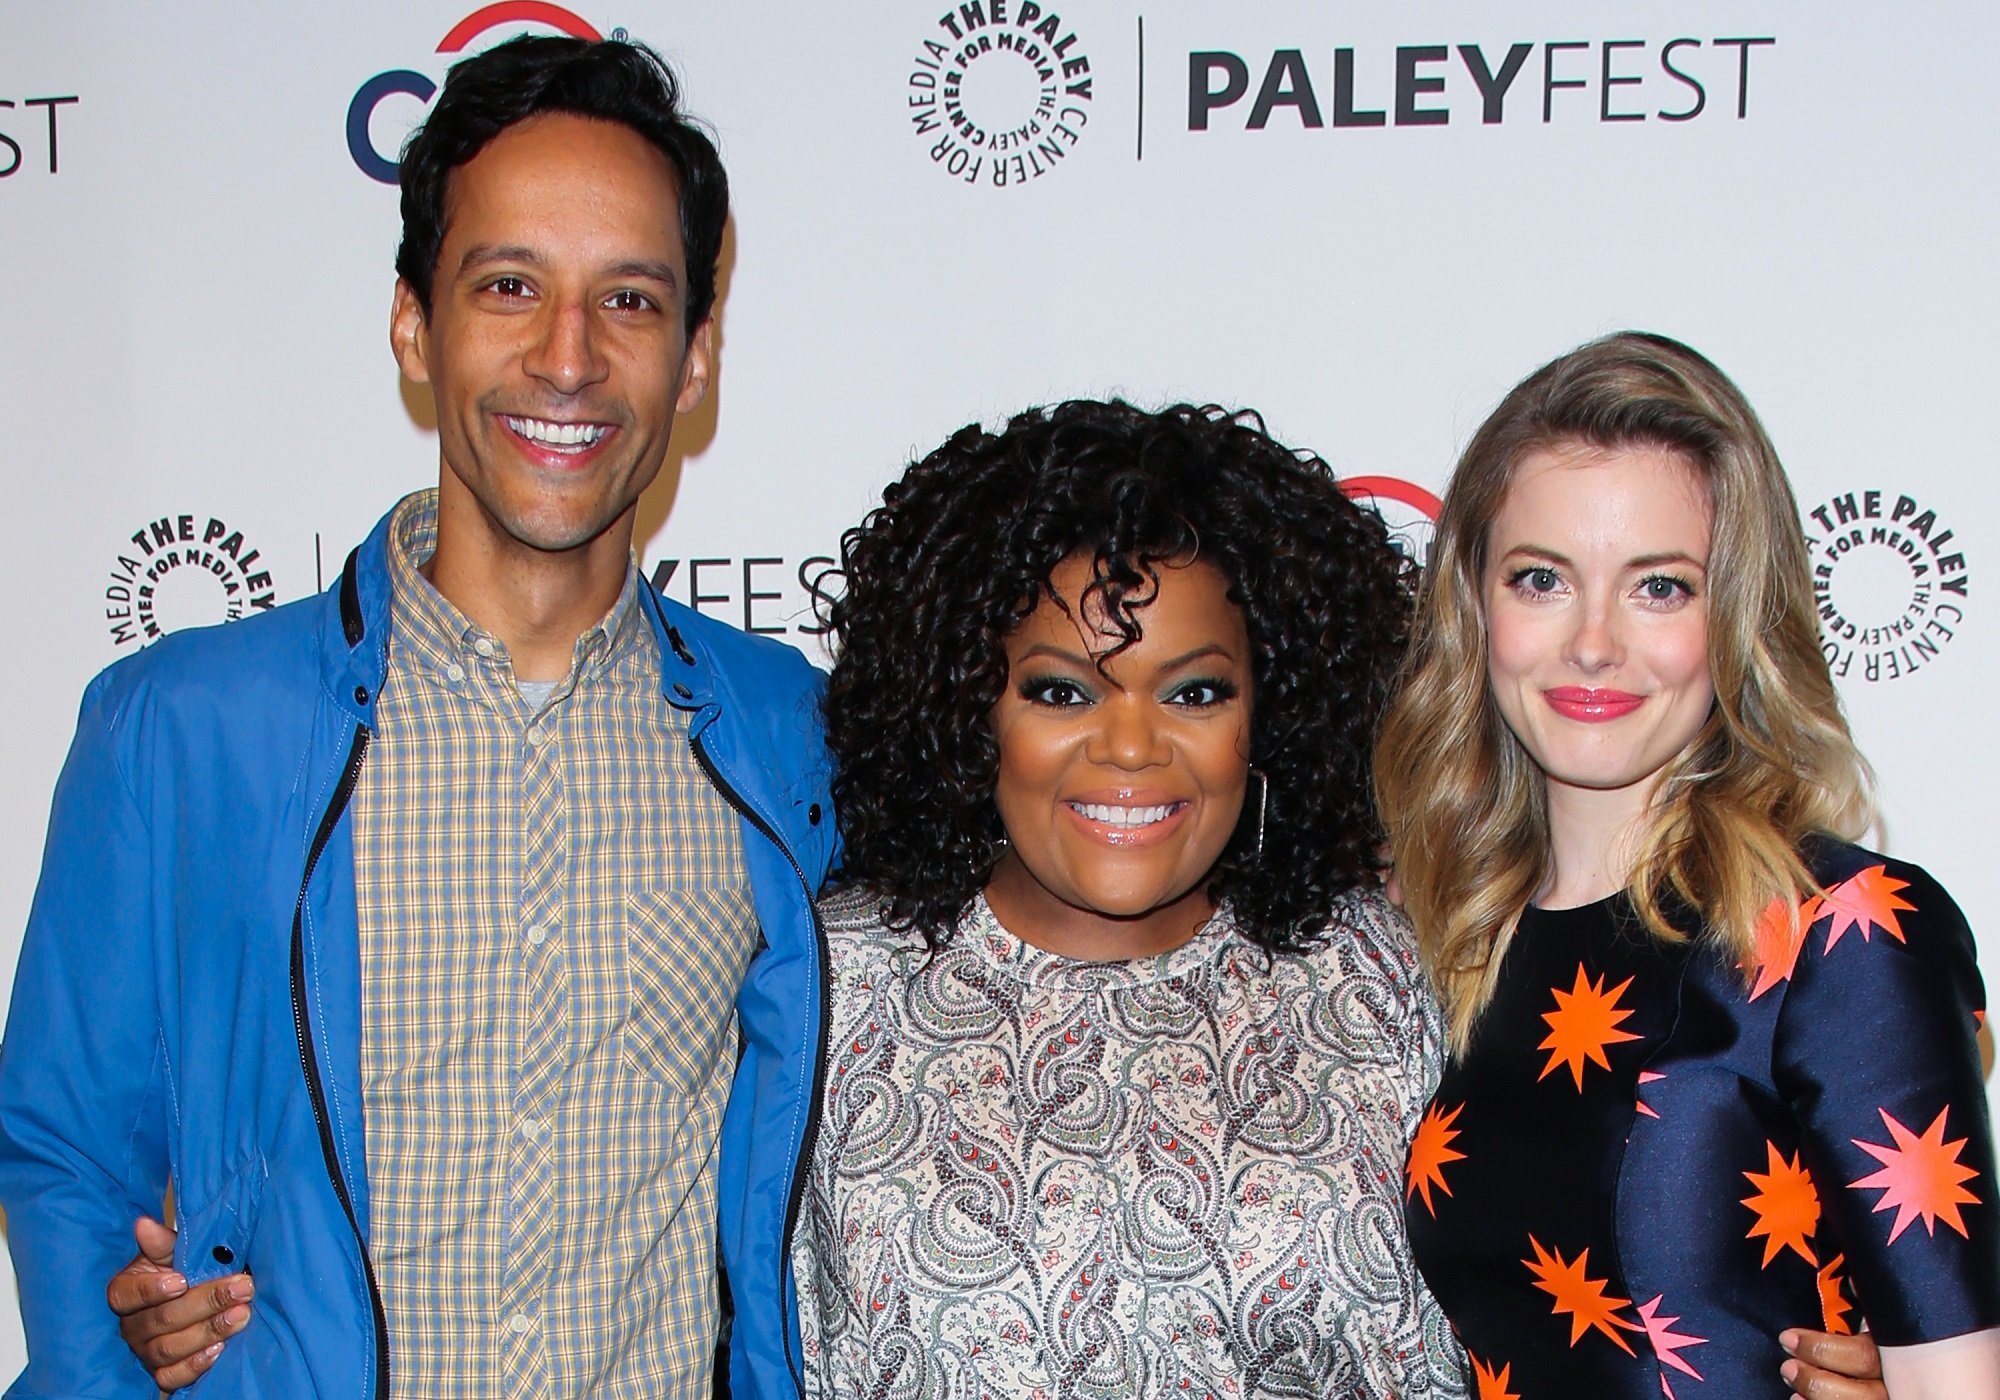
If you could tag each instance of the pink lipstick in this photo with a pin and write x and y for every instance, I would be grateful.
(1592, 706)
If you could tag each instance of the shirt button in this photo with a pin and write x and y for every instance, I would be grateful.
(538, 934)
(537, 736)
(454, 673)
(484, 646)
(533, 1128)
(520, 1324)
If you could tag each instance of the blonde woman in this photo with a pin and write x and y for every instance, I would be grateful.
(1713, 1070)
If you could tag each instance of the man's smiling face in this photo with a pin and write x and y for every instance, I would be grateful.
(556, 342)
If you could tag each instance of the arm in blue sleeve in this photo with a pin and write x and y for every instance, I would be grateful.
(83, 1092)
(1877, 1054)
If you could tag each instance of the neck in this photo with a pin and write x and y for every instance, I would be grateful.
(537, 602)
(1593, 841)
(1029, 912)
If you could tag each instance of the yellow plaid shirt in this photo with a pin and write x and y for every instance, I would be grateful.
(555, 916)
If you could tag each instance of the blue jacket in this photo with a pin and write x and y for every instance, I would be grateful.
(187, 1003)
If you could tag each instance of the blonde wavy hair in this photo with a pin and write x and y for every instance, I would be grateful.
(1463, 802)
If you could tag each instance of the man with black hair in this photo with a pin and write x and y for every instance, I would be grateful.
(403, 932)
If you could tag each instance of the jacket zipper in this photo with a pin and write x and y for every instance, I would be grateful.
(343, 792)
(801, 1164)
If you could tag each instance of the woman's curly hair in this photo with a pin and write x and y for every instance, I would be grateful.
(960, 552)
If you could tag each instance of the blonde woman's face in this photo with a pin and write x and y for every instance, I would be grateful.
(1596, 594)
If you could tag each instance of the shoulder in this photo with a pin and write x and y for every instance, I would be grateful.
(865, 957)
(237, 668)
(1872, 890)
(1365, 980)
(1367, 957)
(856, 916)
(1365, 925)
(1879, 928)
(755, 667)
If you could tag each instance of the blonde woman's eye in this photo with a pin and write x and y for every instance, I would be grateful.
(1665, 588)
(1536, 578)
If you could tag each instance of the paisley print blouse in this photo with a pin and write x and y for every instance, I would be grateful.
(1177, 1176)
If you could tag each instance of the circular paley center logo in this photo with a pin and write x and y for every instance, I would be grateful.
(1000, 93)
(183, 571)
(1408, 510)
(1890, 582)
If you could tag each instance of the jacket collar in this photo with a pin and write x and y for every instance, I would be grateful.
(687, 672)
(354, 636)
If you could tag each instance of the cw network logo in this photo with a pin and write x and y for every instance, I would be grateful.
(406, 82)
(1409, 510)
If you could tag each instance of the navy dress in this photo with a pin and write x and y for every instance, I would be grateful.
(1649, 1163)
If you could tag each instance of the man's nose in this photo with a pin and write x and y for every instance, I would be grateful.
(566, 353)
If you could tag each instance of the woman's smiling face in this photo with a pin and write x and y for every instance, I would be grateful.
(1119, 787)
(1596, 615)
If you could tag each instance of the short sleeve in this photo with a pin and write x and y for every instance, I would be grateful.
(1410, 1023)
(1876, 1052)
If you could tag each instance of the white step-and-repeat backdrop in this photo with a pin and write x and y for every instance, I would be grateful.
(1365, 219)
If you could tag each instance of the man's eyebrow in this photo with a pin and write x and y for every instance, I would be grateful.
(482, 254)
(649, 269)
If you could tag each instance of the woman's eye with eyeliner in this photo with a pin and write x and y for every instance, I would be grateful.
(1054, 691)
(1535, 580)
(1202, 694)
(1665, 588)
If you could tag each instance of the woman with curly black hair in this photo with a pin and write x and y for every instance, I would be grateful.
(1126, 1047)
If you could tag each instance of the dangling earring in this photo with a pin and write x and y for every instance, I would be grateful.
(1263, 804)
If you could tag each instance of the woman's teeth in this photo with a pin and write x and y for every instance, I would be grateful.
(1121, 816)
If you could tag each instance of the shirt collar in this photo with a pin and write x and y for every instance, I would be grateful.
(432, 629)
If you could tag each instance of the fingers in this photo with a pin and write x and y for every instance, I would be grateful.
(186, 1373)
(1829, 1367)
(177, 1340)
(140, 1285)
(1855, 1355)
(1815, 1384)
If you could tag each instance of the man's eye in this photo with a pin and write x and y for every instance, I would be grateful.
(630, 301)
(508, 287)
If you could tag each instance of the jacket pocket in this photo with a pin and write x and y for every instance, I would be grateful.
(215, 1234)
(686, 951)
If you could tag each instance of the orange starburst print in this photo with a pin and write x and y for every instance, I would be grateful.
(1786, 1206)
(1920, 1176)
(1585, 1021)
(1667, 1343)
(1429, 1151)
(1779, 938)
(1833, 1304)
(1867, 901)
(1491, 1386)
(1579, 1295)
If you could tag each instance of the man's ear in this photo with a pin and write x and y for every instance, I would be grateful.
(409, 334)
(697, 367)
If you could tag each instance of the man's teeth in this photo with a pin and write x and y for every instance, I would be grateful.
(557, 434)
(1121, 816)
